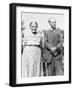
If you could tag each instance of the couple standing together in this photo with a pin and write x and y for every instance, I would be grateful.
(42, 51)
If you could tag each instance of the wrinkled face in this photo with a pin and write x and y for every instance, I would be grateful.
(33, 26)
(52, 23)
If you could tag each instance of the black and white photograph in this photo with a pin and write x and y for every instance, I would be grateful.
(41, 44)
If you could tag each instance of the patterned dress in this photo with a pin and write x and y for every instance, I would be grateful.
(31, 57)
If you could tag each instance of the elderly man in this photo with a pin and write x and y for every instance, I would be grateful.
(52, 56)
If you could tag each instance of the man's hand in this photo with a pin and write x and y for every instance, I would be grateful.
(53, 49)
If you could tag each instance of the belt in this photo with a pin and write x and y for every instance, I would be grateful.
(34, 45)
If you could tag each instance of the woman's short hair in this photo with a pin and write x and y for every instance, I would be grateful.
(33, 23)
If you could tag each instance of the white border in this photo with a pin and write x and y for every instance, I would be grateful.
(20, 80)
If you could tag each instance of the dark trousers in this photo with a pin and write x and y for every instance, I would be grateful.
(53, 68)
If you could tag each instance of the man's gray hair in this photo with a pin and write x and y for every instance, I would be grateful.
(52, 19)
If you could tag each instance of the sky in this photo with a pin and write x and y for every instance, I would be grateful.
(42, 20)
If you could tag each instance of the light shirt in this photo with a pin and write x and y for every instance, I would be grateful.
(32, 39)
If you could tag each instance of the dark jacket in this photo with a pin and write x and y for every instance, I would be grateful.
(51, 39)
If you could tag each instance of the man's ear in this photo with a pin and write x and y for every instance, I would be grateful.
(50, 22)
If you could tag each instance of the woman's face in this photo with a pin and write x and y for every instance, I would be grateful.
(33, 27)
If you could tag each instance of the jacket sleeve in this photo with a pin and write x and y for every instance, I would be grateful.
(60, 42)
(46, 42)
(42, 40)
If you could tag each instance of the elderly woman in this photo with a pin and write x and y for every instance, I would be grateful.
(31, 57)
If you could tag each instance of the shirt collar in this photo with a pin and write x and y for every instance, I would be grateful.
(52, 30)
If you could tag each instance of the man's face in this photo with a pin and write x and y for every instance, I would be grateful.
(53, 24)
(33, 27)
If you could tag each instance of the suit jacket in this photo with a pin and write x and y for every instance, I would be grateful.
(51, 39)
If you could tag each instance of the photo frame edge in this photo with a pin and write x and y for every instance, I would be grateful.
(12, 63)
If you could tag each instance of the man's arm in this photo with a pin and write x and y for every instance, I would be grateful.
(60, 44)
(46, 43)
